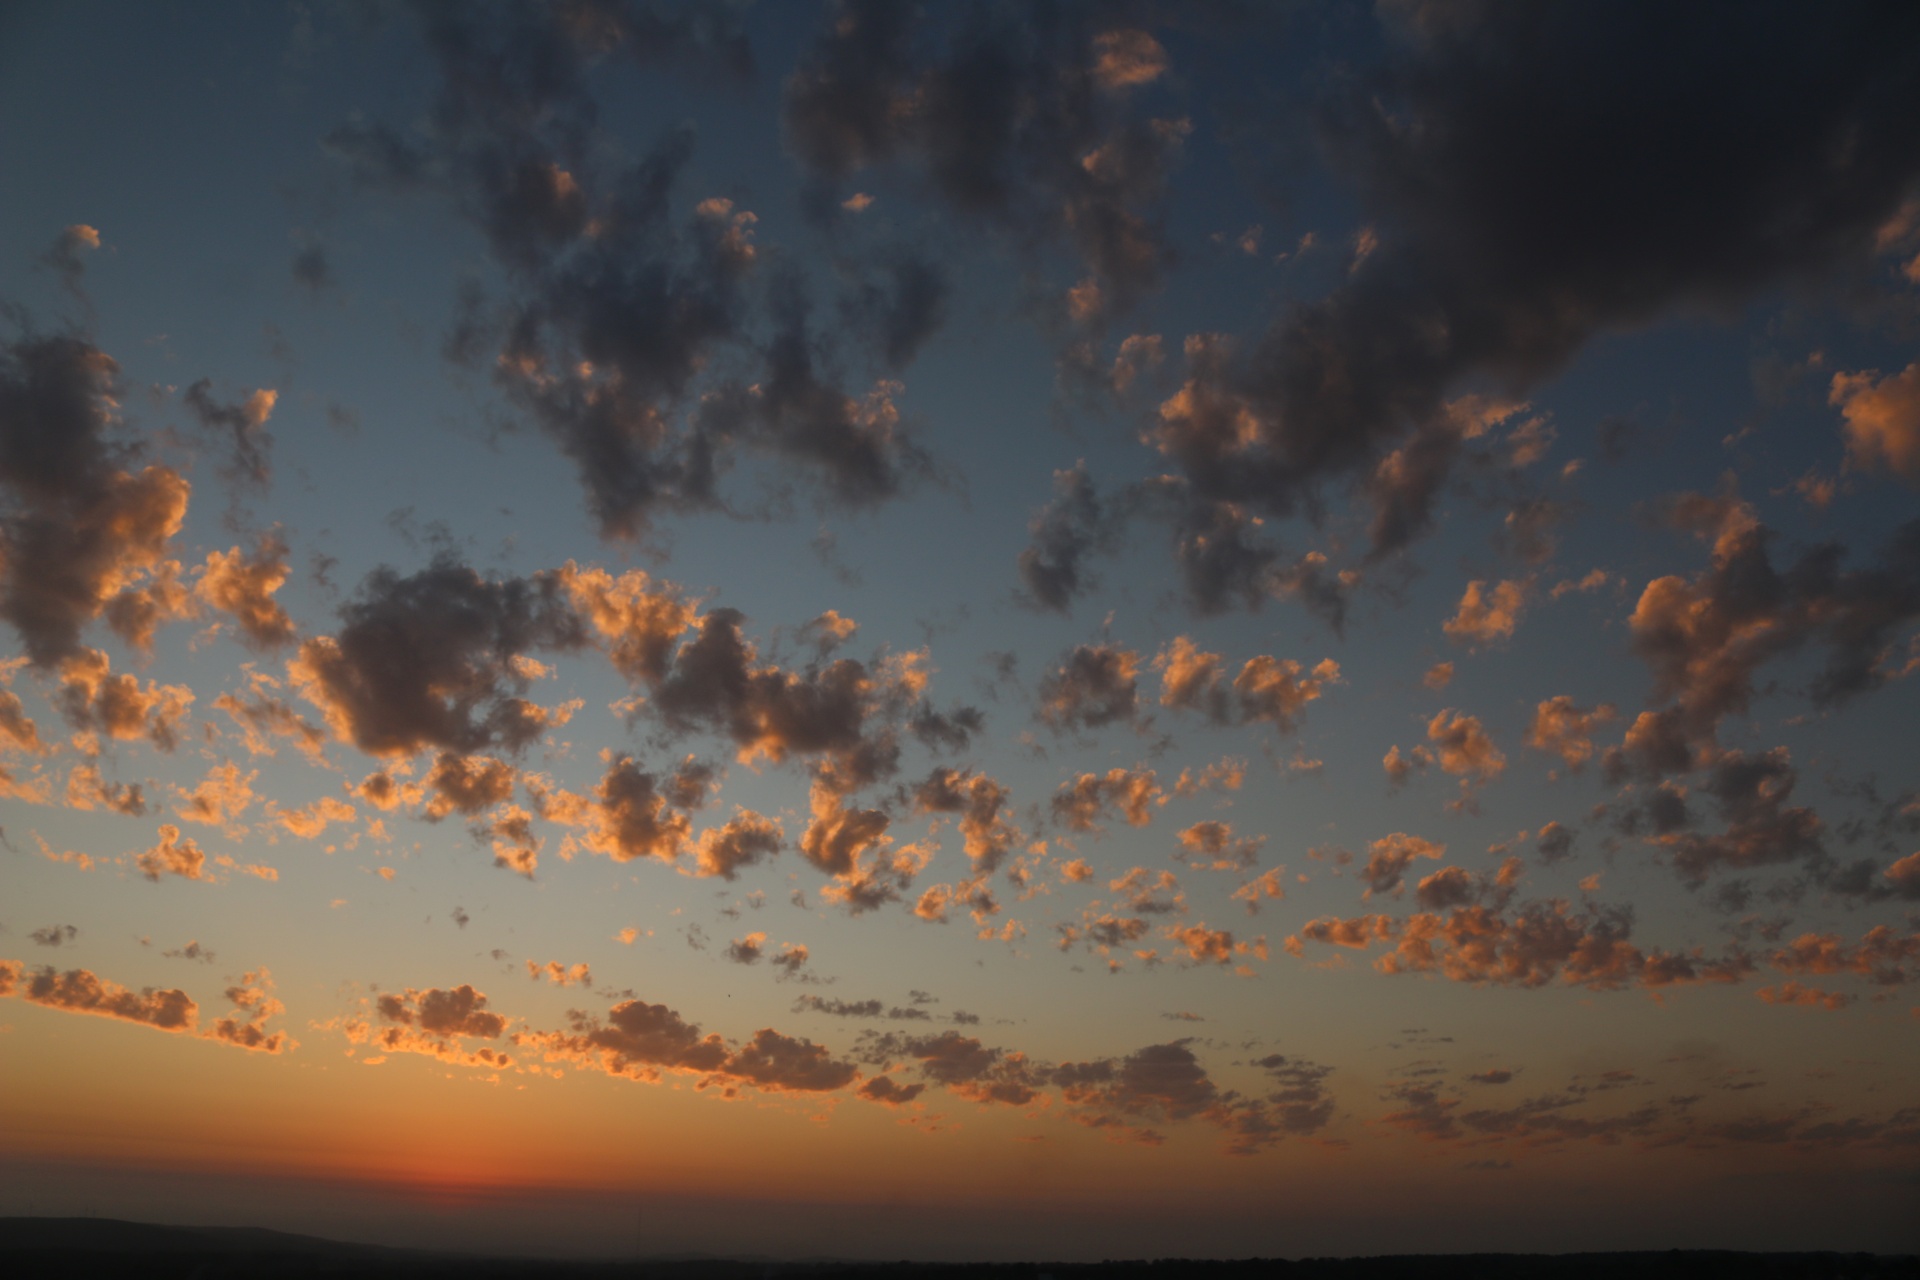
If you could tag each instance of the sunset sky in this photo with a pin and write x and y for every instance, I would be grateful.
(966, 631)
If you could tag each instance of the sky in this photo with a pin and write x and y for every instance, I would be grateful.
(963, 631)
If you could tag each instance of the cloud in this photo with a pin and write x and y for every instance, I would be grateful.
(457, 1011)
(1081, 804)
(633, 339)
(1487, 266)
(253, 1003)
(243, 586)
(1126, 59)
(1074, 526)
(1904, 875)
(1389, 857)
(1705, 638)
(985, 830)
(174, 855)
(426, 660)
(1165, 1083)
(83, 527)
(54, 935)
(1882, 420)
(1266, 689)
(92, 697)
(998, 117)
(1751, 792)
(1881, 956)
(1563, 729)
(244, 420)
(1486, 616)
(222, 796)
(309, 821)
(745, 839)
(87, 791)
(1535, 944)
(1094, 686)
(65, 255)
(1212, 844)
(1555, 843)
(80, 991)
(883, 1090)
(639, 1041)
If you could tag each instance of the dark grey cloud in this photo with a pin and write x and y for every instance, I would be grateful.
(1523, 205)
(426, 659)
(76, 517)
(1020, 117)
(634, 336)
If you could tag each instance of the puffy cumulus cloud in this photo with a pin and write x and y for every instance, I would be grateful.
(433, 1022)
(641, 1041)
(466, 785)
(1882, 417)
(1486, 266)
(253, 1003)
(78, 527)
(1389, 857)
(1080, 805)
(245, 421)
(561, 975)
(1484, 616)
(1554, 842)
(981, 804)
(87, 791)
(81, 991)
(1461, 747)
(844, 715)
(1266, 689)
(1202, 945)
(1065, 533)
(93, 698)
(637, 620)
(222, 796)
(1213, 845)
(426, 660)
(1705, 638)
(1438, 676)
(1266, 886)
(883, 1090)
(628, 815)
(175, 855)
(852, 846)
(1096, 685)
(309, 821)
(1563, 729)
(743, 840)
(243, 586)
(453, 1012)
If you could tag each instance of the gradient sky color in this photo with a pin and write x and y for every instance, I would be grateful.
(963, 631)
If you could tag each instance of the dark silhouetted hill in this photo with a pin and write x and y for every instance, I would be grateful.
(56, 1248)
